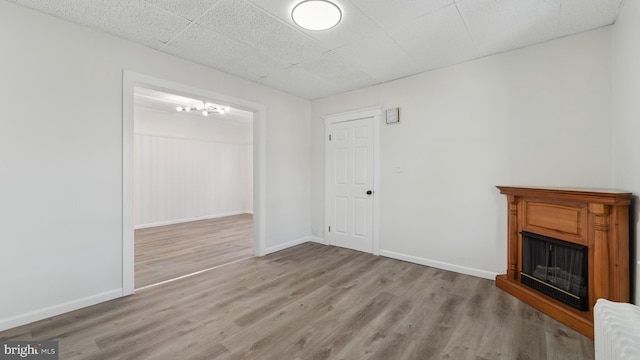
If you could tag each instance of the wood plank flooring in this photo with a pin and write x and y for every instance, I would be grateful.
(171, 251)
(313, 302)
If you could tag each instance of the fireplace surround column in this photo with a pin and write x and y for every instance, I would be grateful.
(512, 244)
(601, 243)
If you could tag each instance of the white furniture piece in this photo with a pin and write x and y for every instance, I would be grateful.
(617, 330)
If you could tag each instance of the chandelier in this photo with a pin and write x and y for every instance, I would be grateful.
(205, 107)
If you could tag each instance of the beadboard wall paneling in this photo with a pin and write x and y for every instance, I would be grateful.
(184, 179)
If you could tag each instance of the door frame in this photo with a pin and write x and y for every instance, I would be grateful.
(371, 112)
(129, 82)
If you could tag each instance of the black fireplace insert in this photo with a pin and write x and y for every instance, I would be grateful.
(556, 268)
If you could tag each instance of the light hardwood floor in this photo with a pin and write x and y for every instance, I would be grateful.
(167, 252)
(313, 302)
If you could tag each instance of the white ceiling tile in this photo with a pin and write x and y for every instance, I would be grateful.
(188, 9)
(300, 82)
(355, 25)
(70, 10)
(338, 71)
(212, 49)
(581, 15)
(278, 8)
(389, 13)
(380, 57)
(130, 19)
(436, 40)
(500, 25)
(245, 23)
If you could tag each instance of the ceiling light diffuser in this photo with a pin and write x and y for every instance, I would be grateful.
(316, 14)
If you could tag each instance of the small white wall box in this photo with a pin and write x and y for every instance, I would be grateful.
(393, 116)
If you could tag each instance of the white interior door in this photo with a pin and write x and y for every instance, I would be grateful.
(350, 191)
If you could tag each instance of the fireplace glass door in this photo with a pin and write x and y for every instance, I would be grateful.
(556, 268)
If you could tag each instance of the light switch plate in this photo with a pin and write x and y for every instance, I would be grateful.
(393, 116)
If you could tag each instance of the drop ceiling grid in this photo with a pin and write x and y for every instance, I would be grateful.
(295, 80)
(338, 71)
(437, 39)
(245, 23)
(390, 13)
(355, 24)
(380, 57)
(580, 15)
(377, 41)
(135, 20)
(188, 9)
(528, 22)
(274, 39)
(204, 46)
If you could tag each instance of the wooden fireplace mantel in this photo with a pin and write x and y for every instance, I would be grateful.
(598, 219)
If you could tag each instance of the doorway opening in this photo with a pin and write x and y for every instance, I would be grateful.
(178, 170)
(193, 185)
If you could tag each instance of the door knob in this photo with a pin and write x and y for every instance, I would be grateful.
(369, 192)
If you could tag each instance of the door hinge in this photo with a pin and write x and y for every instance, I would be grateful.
(329, 137)
(329, 228)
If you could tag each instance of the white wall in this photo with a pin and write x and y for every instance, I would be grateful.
(626, 119)
(61, 143)
(536, 116)
(190, 167)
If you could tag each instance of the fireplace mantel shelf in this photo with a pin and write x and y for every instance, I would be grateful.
(604, 196)
(596, 218)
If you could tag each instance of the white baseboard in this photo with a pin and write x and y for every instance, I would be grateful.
(440, 265)
(318, 240)
(180, 221)
(286, 245)
(22, 319)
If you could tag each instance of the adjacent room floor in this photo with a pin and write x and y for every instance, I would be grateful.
(167, 252)
(313, 302)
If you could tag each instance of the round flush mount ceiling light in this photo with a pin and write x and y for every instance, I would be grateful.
(316, 14)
